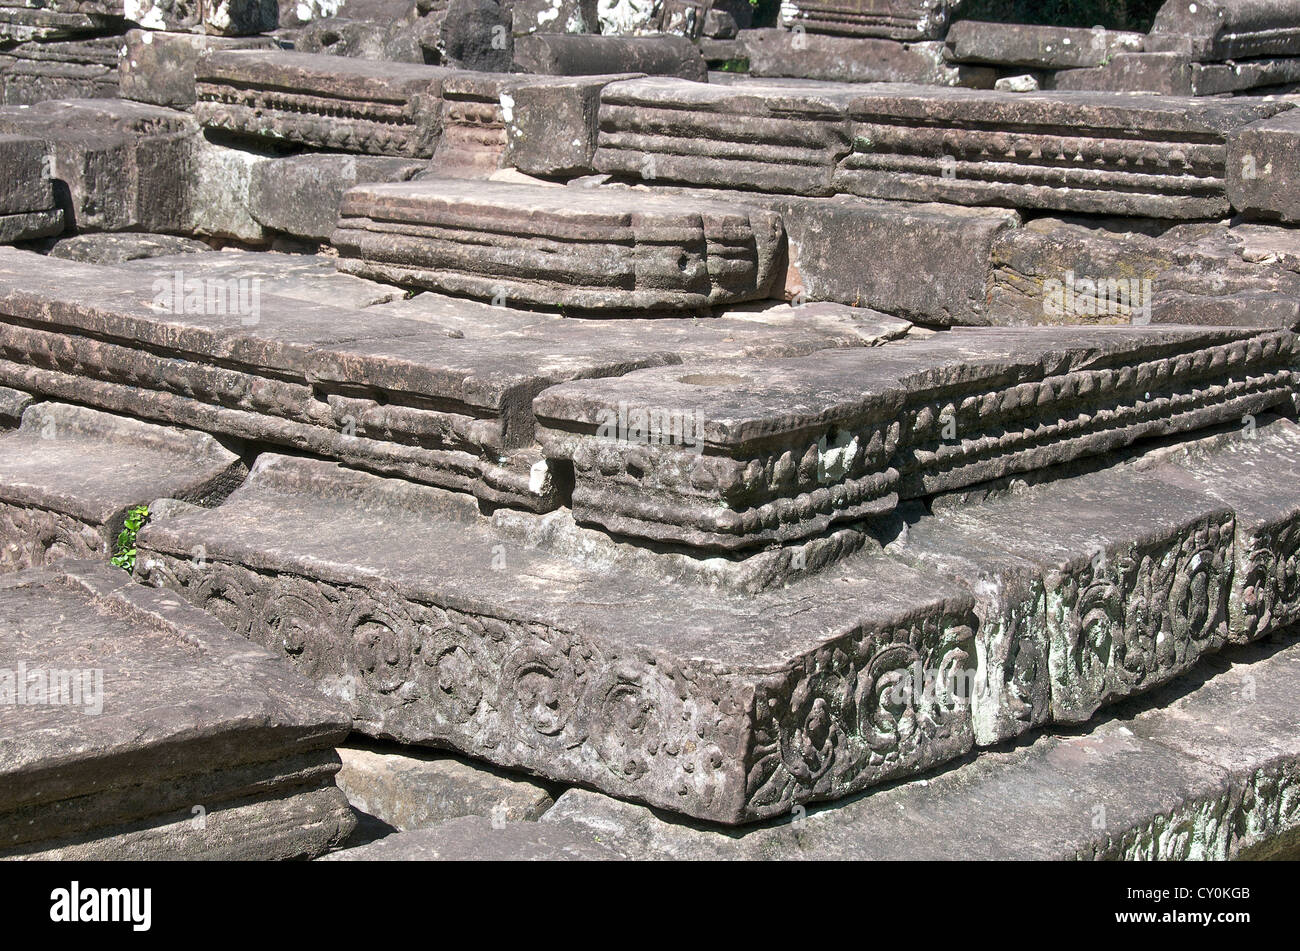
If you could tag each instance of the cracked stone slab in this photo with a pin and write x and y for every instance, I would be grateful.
(728, 456)
(607, 252)
(413, 789)
(22, 21)
(730, 707)
(68, 476)
(158, 716)
(1070, 271)
(892, 19)
(120, 247)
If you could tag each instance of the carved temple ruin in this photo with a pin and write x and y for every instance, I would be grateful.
(606, 431)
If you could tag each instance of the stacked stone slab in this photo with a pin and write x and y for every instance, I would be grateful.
(136, 727)
(1097, 153)
(27, 207)
(560, 248)
(869, 426)
(406, 396)
(70, 475)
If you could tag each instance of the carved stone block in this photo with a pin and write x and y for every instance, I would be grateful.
(892, 19)
(573, 249)
(1216, 30)
(326, 102)
(730, 709)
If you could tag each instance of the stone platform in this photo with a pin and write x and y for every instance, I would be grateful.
(145, 730)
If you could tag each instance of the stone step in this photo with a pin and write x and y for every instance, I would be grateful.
(584, 251)
(440, 392)
(83, 68)
(136, 727)
(719, 704)
(1210, 775)
(1161, 157)
(730, 455)
(69, 475)
(980, 622)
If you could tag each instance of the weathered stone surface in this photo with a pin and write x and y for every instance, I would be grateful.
(336, 103)
(396, 41)
(120, 248)
(551, 126)
(12, 404)
(68, 475)
(1152, 156)
(1128, 587)
(1166, 74)
(1243, 721)
(304, 277)
(893, 19)
(38, 72)
(117, 165)
(475, 839)
(1041, 802)
(474, 123)
(1214, 30)
(761, 136)
(926, 262)
(411, 789)
(730, 708)
(217, 200)
(857, 59)
(21, 21)
(26, 186)
(1263, 168)
(1055, 271)
(300, 194)
(575, 249)
(723, 456)
(188, 743)
(1255, 475)
(1037, 47)
(222, 17)
(29, 225)
(555, 16)
(159, 67)
(563, 54)
(476, 34)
